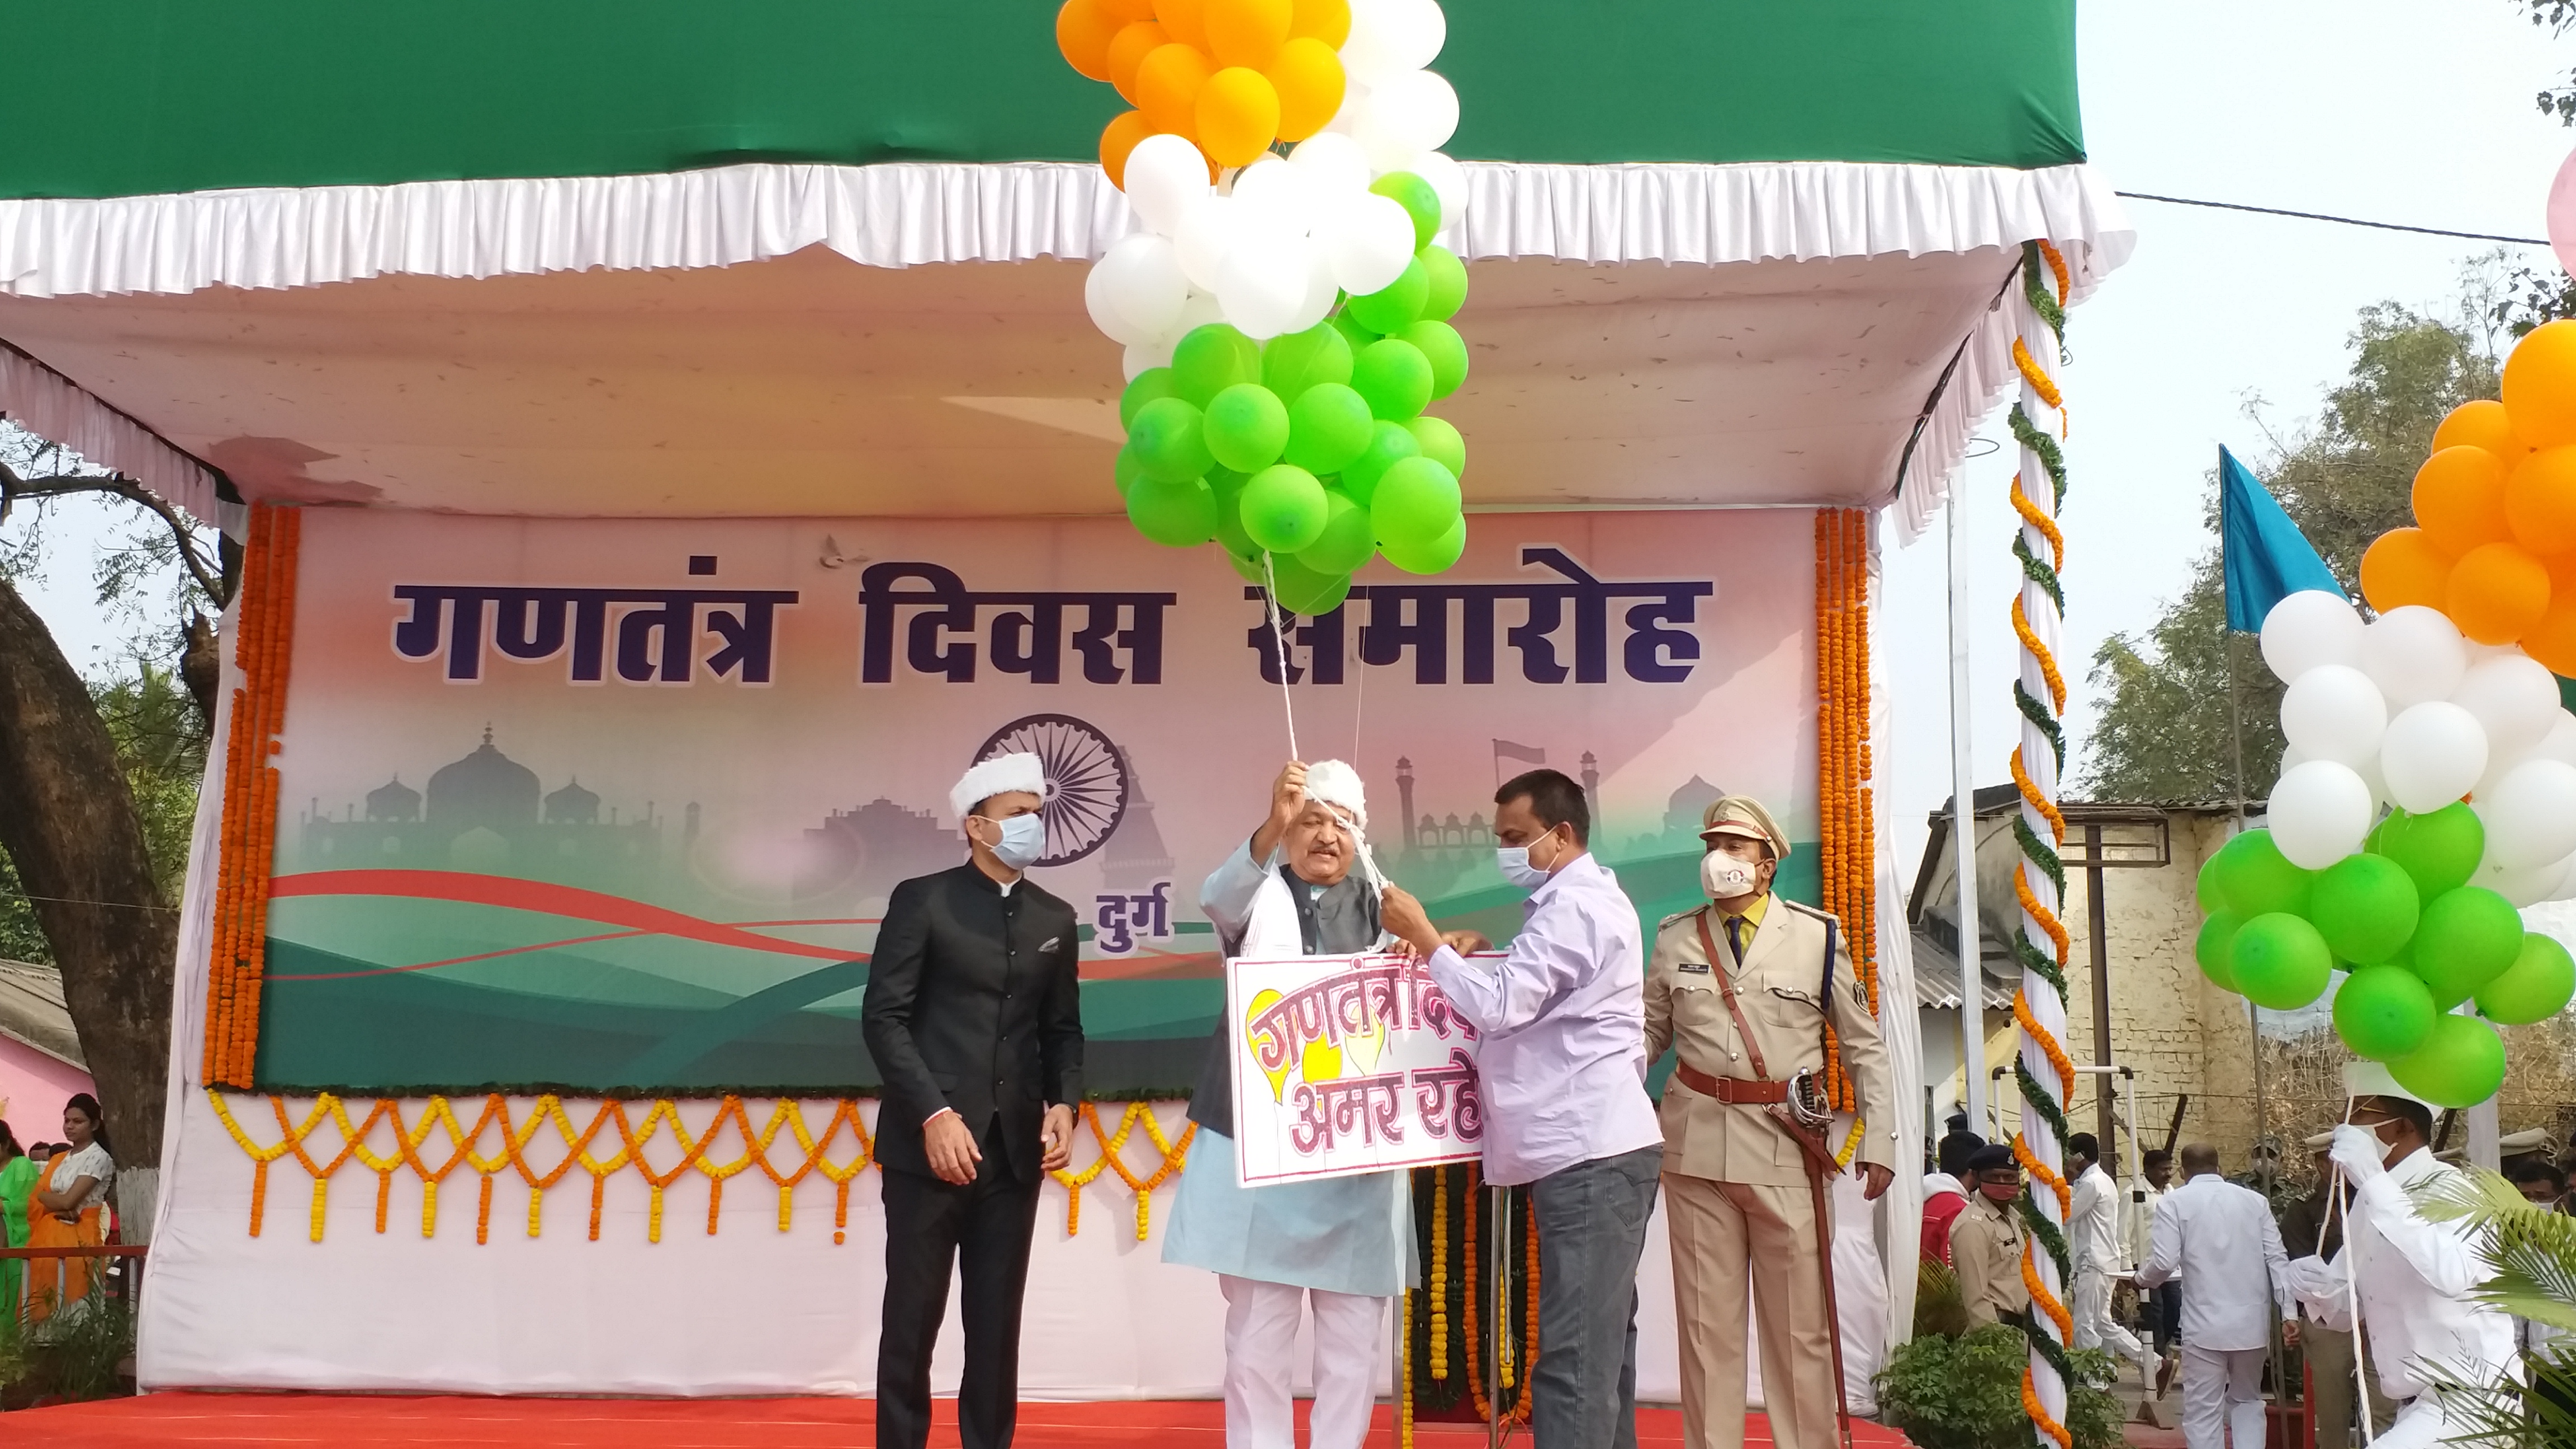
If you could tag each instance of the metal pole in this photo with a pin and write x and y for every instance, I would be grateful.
(1498, 1424)
(1963, 827)
(2095, 921)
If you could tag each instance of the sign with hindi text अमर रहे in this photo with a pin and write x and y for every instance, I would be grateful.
(1349, 1064)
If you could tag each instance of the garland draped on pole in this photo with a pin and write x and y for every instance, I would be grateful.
(1849, 846)
(2043, 1072)
(1452, 1224)
(263, 641)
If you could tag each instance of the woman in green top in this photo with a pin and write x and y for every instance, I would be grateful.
(17, 1176)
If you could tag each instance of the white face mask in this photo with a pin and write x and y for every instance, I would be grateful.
(1023, 840)
(1724, 878)
(1514, 862)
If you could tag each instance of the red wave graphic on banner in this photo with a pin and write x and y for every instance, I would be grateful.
(542, 897)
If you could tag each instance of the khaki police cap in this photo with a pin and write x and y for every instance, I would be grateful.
(1742, 815)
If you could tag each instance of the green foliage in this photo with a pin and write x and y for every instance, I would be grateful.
(2532, 1249)
(1965, 1393)
(1940, 1305)
(2555, 100)
(2508, 1415)
(2164, 731)
(77, 1354)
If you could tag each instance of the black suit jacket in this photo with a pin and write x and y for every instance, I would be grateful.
(973, 1004)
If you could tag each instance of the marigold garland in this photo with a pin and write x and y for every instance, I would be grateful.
(1440, 1274)
(514, 1135)
(1847, 846)
(263, 644)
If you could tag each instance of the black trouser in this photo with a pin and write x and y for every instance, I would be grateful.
(983, 1230)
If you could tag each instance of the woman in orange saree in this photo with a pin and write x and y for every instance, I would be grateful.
(64, 1212)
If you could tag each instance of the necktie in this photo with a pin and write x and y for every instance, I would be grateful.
(1735, 937)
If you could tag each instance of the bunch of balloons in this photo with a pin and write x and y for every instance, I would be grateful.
(2494, 541)
(2414, 938)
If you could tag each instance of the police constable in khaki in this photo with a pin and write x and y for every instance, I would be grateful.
(1744, 1182)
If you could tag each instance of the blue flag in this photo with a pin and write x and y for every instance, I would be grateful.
(2266, 557)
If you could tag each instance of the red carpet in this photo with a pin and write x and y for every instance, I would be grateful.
(390, 1422)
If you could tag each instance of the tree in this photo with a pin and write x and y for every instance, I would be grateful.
(96, 781)
(2347, 478)
(2544, 294)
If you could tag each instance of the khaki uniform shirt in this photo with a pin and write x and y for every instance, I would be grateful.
(1985, 1248)
(1783, 994)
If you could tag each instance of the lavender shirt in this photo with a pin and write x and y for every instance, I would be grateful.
(1563, 1022)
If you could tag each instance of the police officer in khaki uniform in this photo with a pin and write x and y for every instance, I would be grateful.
(1986, 1241)
(1743, 1195)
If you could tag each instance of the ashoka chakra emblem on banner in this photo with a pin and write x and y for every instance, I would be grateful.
(1087, 781)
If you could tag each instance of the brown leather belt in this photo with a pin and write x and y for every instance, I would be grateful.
(1734, 1091)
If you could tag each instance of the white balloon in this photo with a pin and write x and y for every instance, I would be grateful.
(2531, 817)
(1201, 309)
(1145, 282)
(2309, 628)
(2375, 777)
(2413, 654)
(1165, 174)
(2515, 698)
(1264, 283)
(1143, 357)
(1338, 164)
(1209, 230)
(1390, 36)
(2567, 887)
(2334, 712)
(1418, 109)
(1367, 239)
(2560, 742)
(2433, 754)
(1381, 131)
(2522, 887)
(1105, 312)
(1321, 293)
(2319, 813)
(1450, 179)
(2291, 759)
(1277, 197)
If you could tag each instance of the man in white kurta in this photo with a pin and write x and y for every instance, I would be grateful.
(2093, 1232)
(1339, 1246)
(2221, 1239)
(2412, 1278)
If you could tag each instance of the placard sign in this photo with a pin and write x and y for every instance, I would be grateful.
(1349, 1064)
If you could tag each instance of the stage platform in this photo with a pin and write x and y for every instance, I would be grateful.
(393, 1422)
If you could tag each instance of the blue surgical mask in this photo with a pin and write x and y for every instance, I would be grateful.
(1514, 862)
(1023, 841)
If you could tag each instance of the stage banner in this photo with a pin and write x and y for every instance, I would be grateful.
(1349, 1064)
(614, 805)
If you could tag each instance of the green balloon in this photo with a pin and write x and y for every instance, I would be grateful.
(1247, 426)
(1415, 502)
(1170, 439)
(1328, 426)
(1284, 508)
(1440, 442)
(1180, 515)
(1448, 278)
(1433, 557)
(1150, 384)
(1228, 487)
(1248, 565)
(2280, 961)
(1352, 332)
(2383, 1012)
(1295, 361)
(1419, 199)
(1388, 445)
(1347, 542)
(2467, 938)
(2205, 890)
(2440, 848)
(2210, 949)
(2536, 987)
(1394, 376)
(1445, 350)
(2257, 879)
(1211, 359)
(1306, 591)
(1398, 304)
(1127, 470)
(2460, 1064)
(2365, 906)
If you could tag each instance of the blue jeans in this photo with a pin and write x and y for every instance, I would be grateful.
(1591, 1231)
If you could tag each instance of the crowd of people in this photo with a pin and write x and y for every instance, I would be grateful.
(54, 1195)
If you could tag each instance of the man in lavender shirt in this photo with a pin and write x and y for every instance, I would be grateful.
(1564, 1079)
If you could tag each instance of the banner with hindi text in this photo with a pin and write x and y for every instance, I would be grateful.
(1348, 1064)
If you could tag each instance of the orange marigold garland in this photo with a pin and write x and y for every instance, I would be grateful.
(263, 644)
(1847, 844)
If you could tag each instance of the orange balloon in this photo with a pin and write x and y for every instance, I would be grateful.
(2552, 641)
(1310, 82)
(1128, 11)
(2540, 501)
(2496, 592)
(1185, 19)
(1238, 116)
(1167, 85)
(2540, 385)
(2481, 424)
(1118, 140)
(1128, 49)
(2459, 499)
(1326, 20)
(1247, 32)
(1083, 32)
(2403, 567)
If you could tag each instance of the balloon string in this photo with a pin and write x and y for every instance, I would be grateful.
(1270, 598)
(2352, 1295)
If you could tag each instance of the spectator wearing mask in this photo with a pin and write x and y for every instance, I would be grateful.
(2542, 1185)
(1946, 1190)
(1986, 1241)
(2222, 1238)
(2092, 1233)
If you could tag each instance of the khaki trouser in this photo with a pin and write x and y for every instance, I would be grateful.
(2329, 1357)
(1720, 1230)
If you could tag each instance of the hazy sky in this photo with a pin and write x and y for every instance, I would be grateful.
(2415, 111)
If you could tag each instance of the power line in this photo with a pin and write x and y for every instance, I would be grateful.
(2527, 241)
(69, 901)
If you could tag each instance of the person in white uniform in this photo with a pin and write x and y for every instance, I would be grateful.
(1340, 1247)
(2412, 1278)
(2093, 1231)
(2221, 1239)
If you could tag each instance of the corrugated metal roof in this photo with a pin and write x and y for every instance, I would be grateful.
(1936, 975)
(32, 1011)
